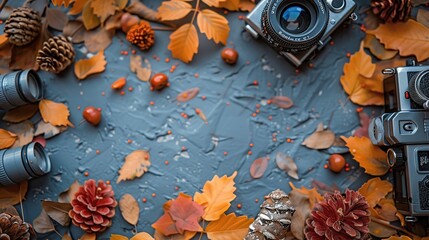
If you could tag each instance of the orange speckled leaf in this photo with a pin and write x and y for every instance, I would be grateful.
(369, 156)
(55, 113)
(214, 25)
(188, 94)
(136, 164)
(216, 197)
(229, 227)
(85, 67)
(374, 190)
(184, 42)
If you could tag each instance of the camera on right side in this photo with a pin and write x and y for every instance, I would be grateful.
(404, 131)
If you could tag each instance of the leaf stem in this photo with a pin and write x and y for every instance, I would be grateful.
(164, 28)
(20, 203)
(3, 3)
(387, 224)
(196, 11)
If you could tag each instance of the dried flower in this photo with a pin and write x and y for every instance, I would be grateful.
(141, 35)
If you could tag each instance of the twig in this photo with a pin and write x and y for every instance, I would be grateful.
(387, 224)
(201, 234)
(20, 203)
(3, 3)
(164, 28)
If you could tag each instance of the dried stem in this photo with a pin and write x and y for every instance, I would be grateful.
(20, 203)
(387, 224)
(3, 3)
(163, 28)
(196, 11)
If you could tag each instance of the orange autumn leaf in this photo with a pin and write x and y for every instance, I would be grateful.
(214, 25)
(369, 156)
(85, 67)
(77, 7)
(3, 39)
(7, 139)
(410, 38)
(117, 237)
(13, 194)
(59, 3)
(213, 3)
(312, 194)
(216, 197)
(403, 237)
(375, 83)
(89, 19)
(374, 190)
(142, 236)
(55, 113)
(246, 5)
(187, 235)
(184, 42)
(103, 8)
(136, 164)
(229, 227)
(173, 10)
(377, 49)
(232, 5)
(21, 113)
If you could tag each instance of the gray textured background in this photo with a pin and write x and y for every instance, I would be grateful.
(231, 99)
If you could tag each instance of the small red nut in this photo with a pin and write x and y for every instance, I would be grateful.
(92, 115)
(159, 81)
(229, 55)
(336, 162)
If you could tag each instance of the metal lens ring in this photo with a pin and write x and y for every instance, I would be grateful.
(419, 87)
(294, 25)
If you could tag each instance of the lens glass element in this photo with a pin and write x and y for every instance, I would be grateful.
(295, 19)
(33, 87)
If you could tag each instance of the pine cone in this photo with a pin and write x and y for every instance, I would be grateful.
(141, 35)
(392, 10)
(56, 54)
(93, 206)
(274, 219)
(13, 228)
(339, 217)
(22, 26)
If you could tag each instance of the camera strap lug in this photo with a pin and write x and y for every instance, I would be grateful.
(354, 17)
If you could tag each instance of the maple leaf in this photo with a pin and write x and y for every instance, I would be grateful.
(61, 2)
(165, 225)
(103, 8)
(173, 10)
(77, 7)
(214, 25)
(13, 194)
(374, 190)
(85, 67)
(229, 227)
(55, 113)
(408, 37)
(216, 197)
(7, 139)
(186, 214)
(184, 42)
(136, 164)
(369, 156)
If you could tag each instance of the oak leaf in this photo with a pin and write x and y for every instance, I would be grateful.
(89, 19)
(374, 190)
(58, 211)
(216, 197)
(55, 113)
(258, 167)
(103, 8)
(136, 164)
(7, 139)
(13, 194)
(85, 67)
(184, 42)
(408, 37)
(21, 113)
(43, 224)
(186, 214)
(77, 7)
(229, 227)
(320, 139)
(287, 164)
(369, 156)
(173, 10)
(214, 25)
(130, 210)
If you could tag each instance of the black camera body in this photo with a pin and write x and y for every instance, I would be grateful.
(404, 130)
(297, 28)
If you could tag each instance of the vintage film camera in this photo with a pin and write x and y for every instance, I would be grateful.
(297, 28)
(404, 129)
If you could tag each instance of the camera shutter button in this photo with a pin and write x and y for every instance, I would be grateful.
(336, 5)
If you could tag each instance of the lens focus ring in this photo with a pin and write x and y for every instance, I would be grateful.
(4, 179)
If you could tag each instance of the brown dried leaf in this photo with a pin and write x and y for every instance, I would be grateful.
(380, 231)
(129, 209)
(13, 194)
(173, 10)
(362, 131)
(7, 139)
(121, 4)
(77, 7)
(378, 49)
(56, 18)
(246, 5)
(184, 42)
(143, 73)
(232, 5)
(5, 57)
(90, 20)
(24, 132)
(21, 113)
(55, 113)
(103, 8)
(68, 194)
(302, 212)
(114, 22)
(136, 164)
(423, 17)
(48, 130)
(287, 164)
(66, 236)
(88, 236)
(43, 224)
(138, 8)
(85, 67)
(58, 211)
(10, 210)
(282, 102)
(75, 30)
(320, 139)
(214, 25)
(98, 39)
(258, 167)
(188, 94)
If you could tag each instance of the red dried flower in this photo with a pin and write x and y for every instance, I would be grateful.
(93, 206)
(339, 218)
(141, 35)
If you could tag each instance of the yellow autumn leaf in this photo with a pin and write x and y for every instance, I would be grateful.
(121, 4)
(232, 5)
(103, 8)
(55, 113)
(59, 3)
(410, 38)
(136, 164)
(89, 19)
(184, 42)
(3, 39)
(77, 7)
(216, 197)
(85, 67)
(214, 25)
(7, 139)
(173, 10)
(213, 3)
(117, 237)
(229, 227)
(142, 236)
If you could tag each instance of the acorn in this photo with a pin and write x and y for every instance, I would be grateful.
(159, 81)
(336, 162)
(92, 115)
(229, 55)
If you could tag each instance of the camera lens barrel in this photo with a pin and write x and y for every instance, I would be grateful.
(419, 87)
(20, 88)
(23, 163)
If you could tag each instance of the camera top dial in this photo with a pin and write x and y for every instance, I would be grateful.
(294, 25)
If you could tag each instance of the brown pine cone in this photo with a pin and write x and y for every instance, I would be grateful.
(141, 35)
(392, 10)
(56, 54)
(339, 217)
(13, 228)
(93, 206)
(22, 26)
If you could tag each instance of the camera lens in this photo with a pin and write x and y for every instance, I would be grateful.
(419, 87)
(20, 88)
(20, 164)
(295, 19)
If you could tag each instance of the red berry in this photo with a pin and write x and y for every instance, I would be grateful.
(119, 83)
(336, 162)
(229, 55)
(92, 115)
(159, 81)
